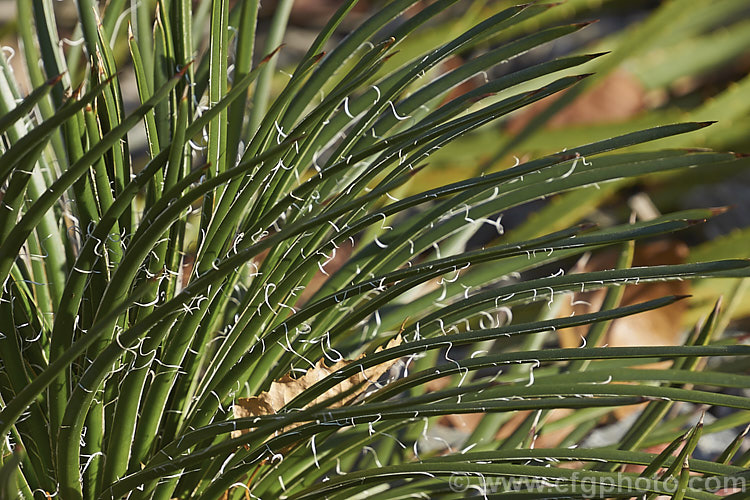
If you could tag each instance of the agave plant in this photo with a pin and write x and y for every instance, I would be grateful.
(259, 311)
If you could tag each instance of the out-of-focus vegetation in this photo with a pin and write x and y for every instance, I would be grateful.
(668, 61)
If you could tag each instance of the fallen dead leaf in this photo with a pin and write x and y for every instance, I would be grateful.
(287, 388)
(658, 327)
(618, 97)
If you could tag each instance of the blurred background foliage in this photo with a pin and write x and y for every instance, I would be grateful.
(668, 61)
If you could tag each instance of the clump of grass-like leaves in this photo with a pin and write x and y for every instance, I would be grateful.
(159, 332)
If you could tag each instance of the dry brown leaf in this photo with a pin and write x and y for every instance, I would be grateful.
(658, 327)
(617, 97)
(287, 388)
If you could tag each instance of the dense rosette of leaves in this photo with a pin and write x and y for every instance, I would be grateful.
(264, 241)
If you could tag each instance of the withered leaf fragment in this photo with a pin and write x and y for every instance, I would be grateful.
(285, 389)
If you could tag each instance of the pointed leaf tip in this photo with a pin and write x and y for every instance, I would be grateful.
(388, 56)
(721, 210)
(706, 123)
(414, 171)
(585, 23)
(187, 65)
(271, 54)
(694, 222)
(717, 306)
(78, 90)
(56, 79)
